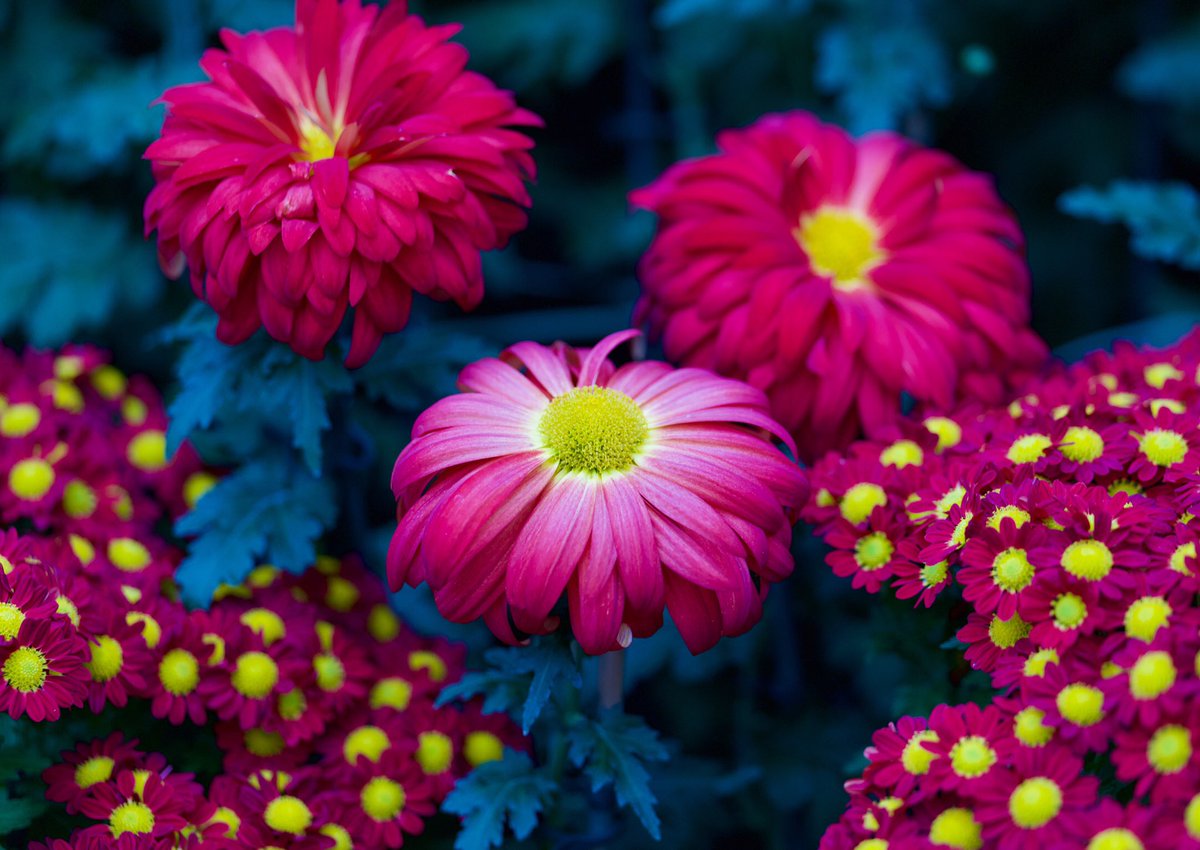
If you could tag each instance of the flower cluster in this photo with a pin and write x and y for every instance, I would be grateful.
(1067, 522)
(346, 162)
(836, 274)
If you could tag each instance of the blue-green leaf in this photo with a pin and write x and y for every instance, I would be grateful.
(509, 791)
(419, 365)
(1164, 218)
(1165, 70)
(613, 750)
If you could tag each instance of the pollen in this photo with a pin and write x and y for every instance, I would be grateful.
(20, 419)
(1006, 633)
(972, 756)
(873, 550)
(1011, 570)
(860, 500)
(107, 659)
(593, 430)
(148, 450)
(1029, 728)
(481, 747)
(956, 827)
(369, 742)
(1170, 749)
(31, 479)
(1082, 444)
(430, 662)
(382, 799)
(131, 817)
(1035, 802)
(93, 771)
(1019, 516)
(288, 814)
(179, 672)
(1152, 675)
(1163, 447)
(255, 675)
(1090, 560)
(840, 244)
(1029, 448)
(902, 453)
(1081, 704)
(11, 618)
(915, 758)
(435, 752)
(25, 669)
(1069, 611)
(948, 432)
(392, 692)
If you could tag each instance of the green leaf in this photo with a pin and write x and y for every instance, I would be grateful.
(521, 678)
(271, 509)
(613, 751)
(419, 365)
(511, 790)
(68, 267)
(18, 812)
(1164, 218)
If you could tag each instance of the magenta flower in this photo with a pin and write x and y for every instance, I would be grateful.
(626, 488)
(836, 274)
(346, 162)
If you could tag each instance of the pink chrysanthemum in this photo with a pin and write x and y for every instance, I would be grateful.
(345, 162)
(836, 274)
(628, 489)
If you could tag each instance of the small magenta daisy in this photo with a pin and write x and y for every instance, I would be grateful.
(42, 670)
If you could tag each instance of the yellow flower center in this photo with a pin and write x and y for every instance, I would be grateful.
(1124, 485)
(11, 618)
(1157, 374)
(430, 662)
(1163, 447)
(1035, 664)
(840, 244)
(288, 814)
(20, 419)
(1082, 444)
(255, 675)
(107, 659)
(481, 747)
(266, 623)
(109, 381)
(179, 672)
(593, 430)
(871, 844)
(196, 486)
(263, 744)
(1146, 616)
(67, 608)
(382, 799)
(292, 704)
(94, 770)
(873, 550)
(1029, 448)
(1035, 802)
(79, 500)
(151, 629)
(31, 478)
(951, 498)
(934, 574)
(915, 758)
(1191, 818)
(956, 827)
(1011, 570)
(1006, 633)
(1087, 559)
(902, 453)
(1180, 556)
(860, 499)
(1069, 611)
(331, 673)
(435, 751)
(1152, 675)
(128, 554)
(148, 450)
(972, 756)
(228, 817)
(342, 839)
(1019, 516)
(368, 741)
(948, 432)
(392, 692)
(382, 623)
(1029, 728)
(341, 594)
(134, 410)
(1081, 704)
(131, 817)
(1115, 838)
(1170, 748)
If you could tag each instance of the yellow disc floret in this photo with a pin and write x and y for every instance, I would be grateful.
(255, 675)
(382, 623)
(342, 840)
(840, 244)
(860, 499)
(331, 673)
(873, 550)
(1145, 616)
(1090, 560)
(266, 623)
(1180, 557)
(107, 659)
(288, 814)
(1170, 748)
(593, 430)
(1081, 704)
(1029, 729)
(1006, 633)
(1029, 448)
(20, 419)
(131, 817)
(915, 758)
(1019, 516)
(392, 692)
(79, 500)
(263, 744)
(1152, 675)
(1035, 802)
(179, 672)
(430, 662)
(1115, 838)
(1191, 815)
(148, 450)
(481, 747)
(196, 486)
(435, 752)
(128, 555)
(382, 799)
(1011, 570)
(31, 479)
(1082, 444)
(1163, 447)
(369, 742)
(94, 770)
(972, 756)
(1036, 663)
(11, 618)
(1069, 611)
(948, 432)
(956, 827)
(902, 453)
(341, 594)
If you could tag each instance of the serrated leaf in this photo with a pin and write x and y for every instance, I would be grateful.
(68, 267)
(270, 509)
(508, 791)
(18, 813)
(419, 365)
(1165, 70)
(613, 750)
(1164, 218)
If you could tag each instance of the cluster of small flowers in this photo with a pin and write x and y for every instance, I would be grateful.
(1067, 521)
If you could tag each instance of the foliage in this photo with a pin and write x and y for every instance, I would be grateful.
(1164, 218)
(511, 791)
(1165, 70)
(612, 750)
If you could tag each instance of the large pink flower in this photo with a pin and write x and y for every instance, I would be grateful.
(628, 488)
(344, 163)
(836, 274)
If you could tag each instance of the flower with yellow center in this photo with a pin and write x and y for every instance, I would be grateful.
(1006, 633)
(382, 623)
(128, 555)
(1145, 616)
(1019, 516)
(179, 672)
(131, 817)
(873, 551)
(265, 623)
(263, 744)
(382, 799)
(19, 420)
(860, 500)
(331, 672)
(1069, 611)
(255, 675)
(342, 840)
(1035, 802)
(1163, 447)
(948, 432)
(151, 628)
(593, 430)
(107, 658)
(1191, 818)
(1115, 838)
(368, 742)
(430, 662)
(972, 756)
(1036, 663)
(902, 453)
(1169, 749)
(841, 244)
(341, 594)
(1029, 729)
(1183, 553)
(392, 692)
(30, 479)
(11, 618)
(1081, 704)
(481, 747)
(915, 758)
(94, 770)
(1011, 570)
(934, 574)
(79, 501)
(1029, 448)
(1082, 444)
(1090, 560)
(956, 827)
(148, 450)
(288, 814)
(1152, 675)
(435, 752)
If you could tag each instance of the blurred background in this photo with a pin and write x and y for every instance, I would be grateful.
(1047, 97)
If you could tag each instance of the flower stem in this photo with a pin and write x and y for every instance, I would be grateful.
(612, 680)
